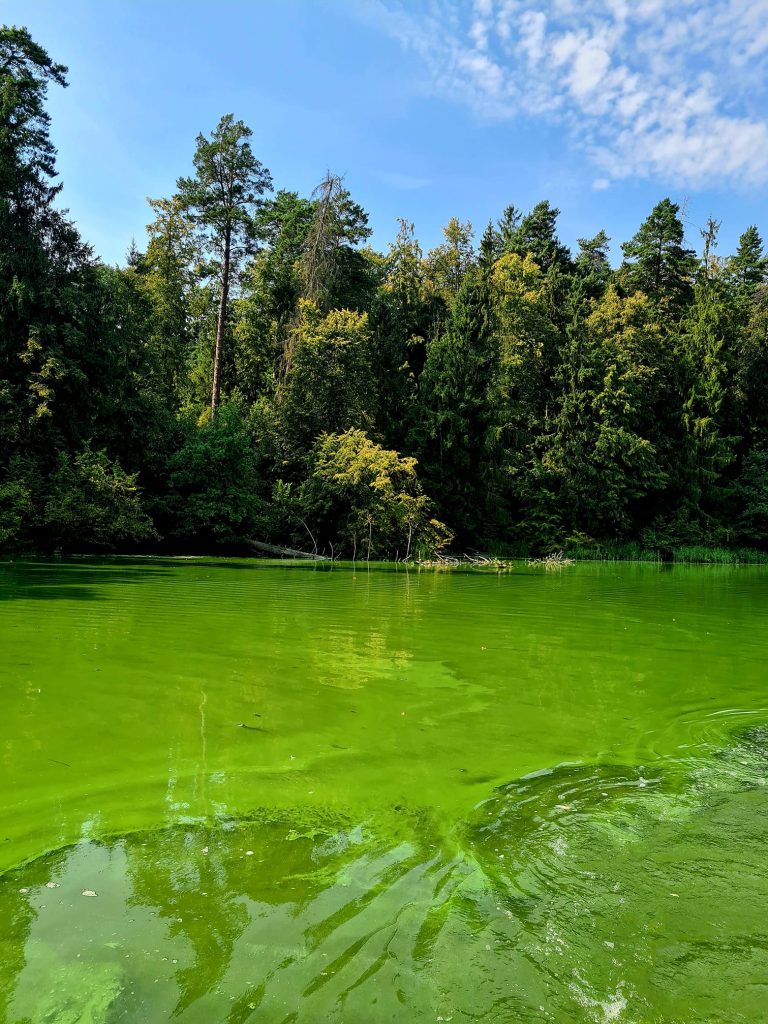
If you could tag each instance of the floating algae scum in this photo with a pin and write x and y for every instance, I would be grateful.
(300, 794)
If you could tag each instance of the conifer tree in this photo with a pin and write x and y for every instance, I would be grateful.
(333, 270)
(706, 344)
(456, 414)
(656, 260)
(592, 264)
(222, 199)
(749, 267)
(536, 234)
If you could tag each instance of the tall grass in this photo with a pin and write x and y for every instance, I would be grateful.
(634, 551)
(612, 551)
(697, 554)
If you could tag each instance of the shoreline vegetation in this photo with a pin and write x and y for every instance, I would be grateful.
(625, 553)
(257, 372)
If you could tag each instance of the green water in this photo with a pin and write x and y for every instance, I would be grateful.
(356, 796)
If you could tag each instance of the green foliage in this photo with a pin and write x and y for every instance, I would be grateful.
(749, 267)
(598, 454)
(752, 494)
(368, 498)
(15, 510)
(750, 362)
(657, 261)
(706, 339)
(329, 386)
(94, 503)
(693, 554)
(455, 412)
(166, 274)
(404, 316)
(213, 484)
(222, 201)
(527, 344)
(550, 400)
(592, 264)
(449, 262)
(223, 196)
(270, 288)
(535, 235)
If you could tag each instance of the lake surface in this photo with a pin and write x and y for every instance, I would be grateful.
(311, 795)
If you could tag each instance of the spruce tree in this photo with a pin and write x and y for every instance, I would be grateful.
(592, 264)
(536, 234)
(749, 267)
(455, 413)
(657, 262)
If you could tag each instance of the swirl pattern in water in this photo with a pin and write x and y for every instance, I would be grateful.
(237, 792)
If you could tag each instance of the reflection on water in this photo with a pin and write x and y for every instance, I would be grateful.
(349, 808)
(588, 893)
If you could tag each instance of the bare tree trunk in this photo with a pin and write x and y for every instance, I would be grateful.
(275, 549)
(221, 322)
(311, 535)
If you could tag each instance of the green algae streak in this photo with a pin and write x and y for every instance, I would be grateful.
(338, 794)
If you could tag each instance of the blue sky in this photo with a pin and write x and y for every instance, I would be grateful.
(430, 109)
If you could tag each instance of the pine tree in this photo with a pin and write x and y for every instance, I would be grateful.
(598, 460)
(657, 262)
(44, 269)
(222, 199)
(167, 273)
(40, 250)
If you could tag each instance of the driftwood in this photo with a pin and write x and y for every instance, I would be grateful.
(474, 561)
(555, 560)
(273, 549)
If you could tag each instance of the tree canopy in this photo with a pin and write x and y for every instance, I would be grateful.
(257, 370)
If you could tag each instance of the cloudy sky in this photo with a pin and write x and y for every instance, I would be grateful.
(431, 109)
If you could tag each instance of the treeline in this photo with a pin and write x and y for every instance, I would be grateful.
(256, 370)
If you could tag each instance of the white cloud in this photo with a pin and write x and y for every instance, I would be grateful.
(649, 89)
(532, 33)
(590, 64)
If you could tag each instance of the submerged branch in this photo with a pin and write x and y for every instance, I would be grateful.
(475, 561)
(274, 549)
(555, 560)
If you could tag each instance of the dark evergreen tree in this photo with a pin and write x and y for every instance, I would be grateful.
(536, 233)
(749, 267)
(455, 415)
(592, 264)
(657, 262)
(507, 225)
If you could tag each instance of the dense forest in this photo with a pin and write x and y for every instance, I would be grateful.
(257, 371)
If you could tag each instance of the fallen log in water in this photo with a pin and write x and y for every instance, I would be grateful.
(274, 549)
(473, 561)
